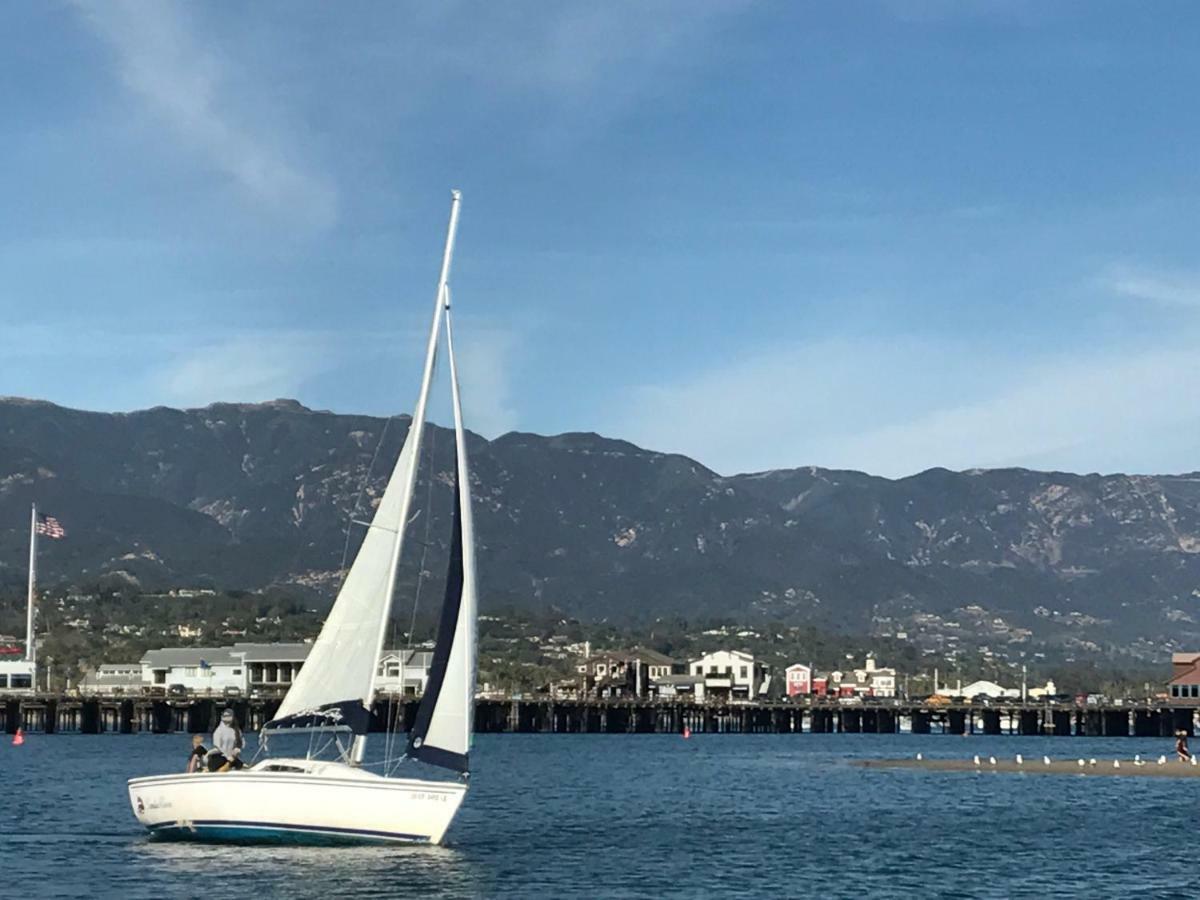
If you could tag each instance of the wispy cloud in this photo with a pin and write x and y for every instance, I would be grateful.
(485, 358)
(1170, 288)
(895, 408)
(243, 368)
(163, 62)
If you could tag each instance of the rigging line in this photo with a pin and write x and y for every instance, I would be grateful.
(361, 489)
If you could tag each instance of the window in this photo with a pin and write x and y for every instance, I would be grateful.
(729, 670)
(160, 676)
(189, 671)
(1196, 690)
(3, 681)
(601, 670)
(743, 671)
(21, 681)
(697, 670)
(237, 671)
(712, 670)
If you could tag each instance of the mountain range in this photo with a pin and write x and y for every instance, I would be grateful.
(1020, 563)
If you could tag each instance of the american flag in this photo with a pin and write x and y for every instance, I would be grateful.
(48, 525)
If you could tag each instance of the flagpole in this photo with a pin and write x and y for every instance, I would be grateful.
(30, 648)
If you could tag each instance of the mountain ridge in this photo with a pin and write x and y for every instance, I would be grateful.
(253, 495)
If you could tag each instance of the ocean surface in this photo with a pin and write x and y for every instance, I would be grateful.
(644, 816)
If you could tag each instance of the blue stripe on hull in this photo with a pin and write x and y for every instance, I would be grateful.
(215, 831)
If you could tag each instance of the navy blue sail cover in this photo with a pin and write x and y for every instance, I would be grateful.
(348, 714)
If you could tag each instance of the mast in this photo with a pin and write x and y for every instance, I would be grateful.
(418, 425)
(30, 647)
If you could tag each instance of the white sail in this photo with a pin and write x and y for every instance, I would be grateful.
(442, 732)
(336, 686)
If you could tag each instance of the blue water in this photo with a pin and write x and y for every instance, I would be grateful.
(643, 816)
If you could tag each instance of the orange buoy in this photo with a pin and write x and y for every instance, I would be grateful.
(18, 738)
(687, 732)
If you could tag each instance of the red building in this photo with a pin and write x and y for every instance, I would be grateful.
(798, 678)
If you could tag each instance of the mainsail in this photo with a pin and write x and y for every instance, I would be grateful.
(441, 734)
(336, 686)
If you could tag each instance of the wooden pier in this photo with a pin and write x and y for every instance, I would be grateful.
(58, 714)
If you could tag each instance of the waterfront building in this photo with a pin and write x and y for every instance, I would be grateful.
(623, 673)
(798, 680)
(679, 687)
(979, 688)
(270, 667)
(1185, 677)
(248, 668)
(16, 676)
(112, 678)
(730, 675)
(404, 672)
(197, 670)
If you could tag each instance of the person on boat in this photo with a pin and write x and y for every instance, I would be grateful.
(1181, 746)
(227, 745)
(196, 758)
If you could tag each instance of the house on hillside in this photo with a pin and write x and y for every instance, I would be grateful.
(730, 675)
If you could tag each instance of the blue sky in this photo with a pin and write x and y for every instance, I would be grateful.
(884, 236)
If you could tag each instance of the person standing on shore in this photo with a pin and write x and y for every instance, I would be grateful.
(1181, 746)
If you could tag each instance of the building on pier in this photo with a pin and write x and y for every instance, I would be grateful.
(623, 673)
(1185, 677)
(404, 672)
(113, 678)
(16, 676)
(679, 687)
(196, 670)
(731, 675)
(798, 680)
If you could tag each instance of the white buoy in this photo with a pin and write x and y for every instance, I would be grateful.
(1116, 764)
(1192, 760)
(976, 759)
(919, 757)
(1092, 761)
(1162, 760)
(991, 760)
(1046, 760)
(1082, 764)
(1020, 760)
(1137, 759)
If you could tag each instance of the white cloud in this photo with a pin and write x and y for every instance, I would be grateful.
(243, 368)
(1166, 288)
(897, 408)
(181, 81)
(485, 358)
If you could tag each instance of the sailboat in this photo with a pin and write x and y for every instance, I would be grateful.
(312, 800)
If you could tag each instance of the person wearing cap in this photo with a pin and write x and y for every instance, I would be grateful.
(227, 745)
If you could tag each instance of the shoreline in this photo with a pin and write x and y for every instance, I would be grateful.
(1172, 768)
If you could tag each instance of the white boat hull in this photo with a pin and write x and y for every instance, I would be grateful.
(295, 802)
